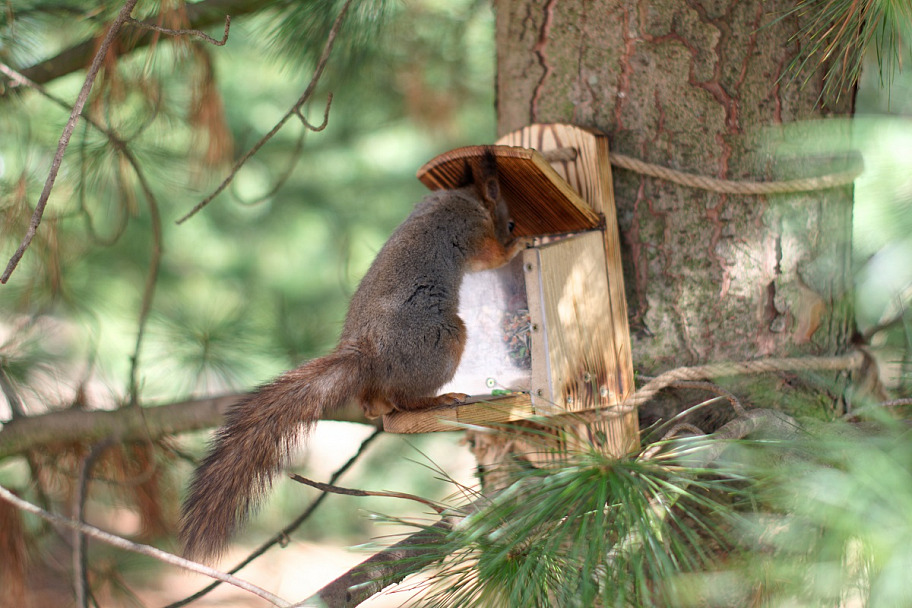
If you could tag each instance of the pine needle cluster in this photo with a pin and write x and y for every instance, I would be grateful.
(838, 34)
(586, 530)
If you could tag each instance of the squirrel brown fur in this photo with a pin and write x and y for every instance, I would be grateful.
(402, 340)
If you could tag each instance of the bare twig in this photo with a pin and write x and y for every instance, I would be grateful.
(684, 426)
(326, 487)
(282, 537)
(321, 126)
(902, 402)
(80, 568)
(123, 216)
(170, 32)
(151, 277)
(847, 362)
(293, 111)
(286, 173)
(65, 137)
(712, 387)
(122, 543)
(771, 422)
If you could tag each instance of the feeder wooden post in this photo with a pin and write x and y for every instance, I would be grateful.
(547, 335)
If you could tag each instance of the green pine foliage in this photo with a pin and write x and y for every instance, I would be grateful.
(587, 529)
(842, 32)
(817, 519)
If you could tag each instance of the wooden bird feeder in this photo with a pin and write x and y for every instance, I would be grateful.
(548, 333)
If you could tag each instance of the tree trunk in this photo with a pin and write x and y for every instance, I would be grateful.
(691, 86)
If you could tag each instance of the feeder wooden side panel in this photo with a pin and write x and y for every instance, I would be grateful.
(540, 201)
(575, 364)
(587, 169)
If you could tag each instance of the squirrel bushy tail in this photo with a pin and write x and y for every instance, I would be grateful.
(251, 448)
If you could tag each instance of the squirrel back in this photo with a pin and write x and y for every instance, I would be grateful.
(401, 341)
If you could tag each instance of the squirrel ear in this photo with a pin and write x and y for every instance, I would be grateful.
(490, 187)
(491, 190)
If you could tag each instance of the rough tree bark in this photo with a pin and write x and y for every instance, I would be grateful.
(691, 85)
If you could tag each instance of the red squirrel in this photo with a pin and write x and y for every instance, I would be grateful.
(401, 341)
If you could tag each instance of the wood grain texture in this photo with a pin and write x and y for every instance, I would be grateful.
(588, 172)
(477, 410)
(575, 364)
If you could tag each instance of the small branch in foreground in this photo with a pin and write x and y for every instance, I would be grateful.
(293, 111)
(848, 362)
(164, 30)
(325, 487)
(65, 137)
(153, 552)
(389, 566)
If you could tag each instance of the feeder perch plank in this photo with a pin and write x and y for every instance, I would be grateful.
(477, 410)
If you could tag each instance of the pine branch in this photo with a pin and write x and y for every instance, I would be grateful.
(421, 550)
(127, 424)
(389, 566)
(81, 585)
(328, 487)
(75, 58)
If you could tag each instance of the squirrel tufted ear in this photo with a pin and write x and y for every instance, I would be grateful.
(491, 189)
(489, 186)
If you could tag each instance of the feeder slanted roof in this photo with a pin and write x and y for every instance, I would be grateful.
(541, 202)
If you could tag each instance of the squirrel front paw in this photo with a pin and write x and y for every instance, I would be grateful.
(423, 403)
(452, 398)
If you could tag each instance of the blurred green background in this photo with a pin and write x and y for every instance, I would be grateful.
(260, 279)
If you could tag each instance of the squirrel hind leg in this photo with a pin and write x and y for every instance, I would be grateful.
(375, 407)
